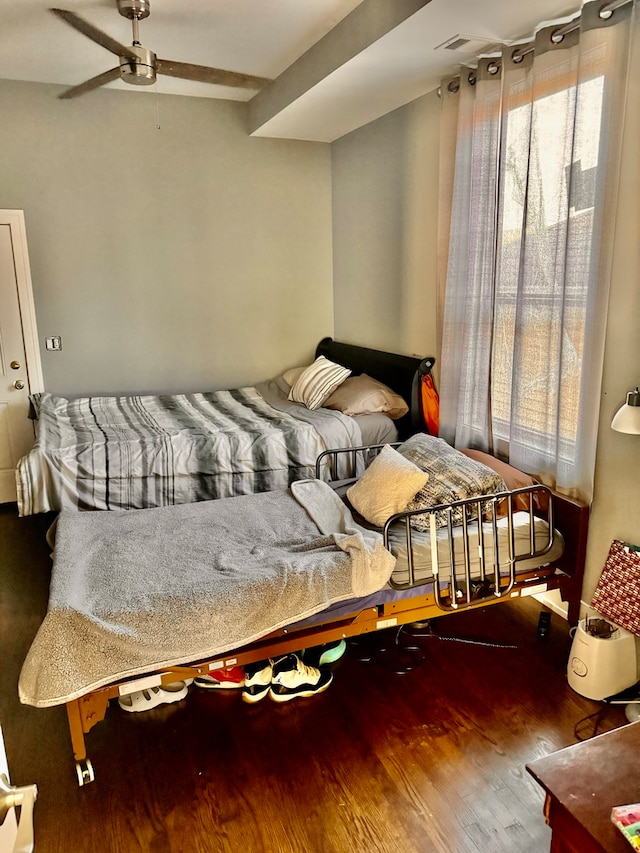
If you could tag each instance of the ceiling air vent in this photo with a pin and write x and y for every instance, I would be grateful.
(465, 44)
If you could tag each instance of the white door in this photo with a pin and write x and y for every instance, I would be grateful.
(8, 829)
(14, 837)
(20, 368)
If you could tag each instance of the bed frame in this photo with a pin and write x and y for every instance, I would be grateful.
(402, 373)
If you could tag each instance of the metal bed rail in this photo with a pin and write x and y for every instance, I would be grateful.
(494, 576)
(357, 459)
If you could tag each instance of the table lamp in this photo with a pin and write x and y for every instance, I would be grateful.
(627, 418)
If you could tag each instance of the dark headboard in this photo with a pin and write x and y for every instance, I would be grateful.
(401, 373)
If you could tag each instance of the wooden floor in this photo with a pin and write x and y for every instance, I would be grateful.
(432, 761)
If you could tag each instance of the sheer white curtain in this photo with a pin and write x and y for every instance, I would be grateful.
(532, 221)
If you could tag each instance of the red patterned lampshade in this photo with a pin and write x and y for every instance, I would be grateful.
(617, 595)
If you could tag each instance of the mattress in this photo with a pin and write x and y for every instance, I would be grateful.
(376, 429)
(422, 551)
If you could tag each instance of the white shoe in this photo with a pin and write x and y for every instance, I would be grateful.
(257, 681)
(151, 697)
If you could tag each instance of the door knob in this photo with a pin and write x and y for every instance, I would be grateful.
(18, 384)
(25, 797)
(15, 365)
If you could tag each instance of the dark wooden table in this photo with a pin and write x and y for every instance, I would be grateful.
(583, 783)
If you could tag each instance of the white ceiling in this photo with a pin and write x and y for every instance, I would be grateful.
(263, 38)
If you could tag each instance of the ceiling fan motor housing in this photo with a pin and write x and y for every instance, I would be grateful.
(137, 9)
(142, 72)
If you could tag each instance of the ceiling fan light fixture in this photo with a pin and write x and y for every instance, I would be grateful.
(142, 72)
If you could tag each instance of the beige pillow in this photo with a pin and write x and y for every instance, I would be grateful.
(362, 395)
(291, 376)
(317, 382)
(386, 487)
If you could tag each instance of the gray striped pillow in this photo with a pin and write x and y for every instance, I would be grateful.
(317, 382)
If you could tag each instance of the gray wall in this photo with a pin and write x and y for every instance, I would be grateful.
(385, 194)
(181, 258)
(385, 204)
(616, 505)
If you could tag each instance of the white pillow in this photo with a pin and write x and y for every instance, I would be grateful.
(317, 382)
(386, 487)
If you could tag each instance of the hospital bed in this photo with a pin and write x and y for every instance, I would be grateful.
(135, 602)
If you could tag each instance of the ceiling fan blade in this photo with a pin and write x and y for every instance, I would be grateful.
(204, 74)
(94, 33)
(93, 83)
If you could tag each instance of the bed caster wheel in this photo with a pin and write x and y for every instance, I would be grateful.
(84, 771)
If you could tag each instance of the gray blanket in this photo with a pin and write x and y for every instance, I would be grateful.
(135, 591)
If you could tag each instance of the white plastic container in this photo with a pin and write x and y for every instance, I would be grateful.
(601, 666)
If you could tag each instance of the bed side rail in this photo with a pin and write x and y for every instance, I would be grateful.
(348, 462)
(456, 583)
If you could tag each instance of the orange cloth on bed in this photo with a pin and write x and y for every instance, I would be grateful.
(430, 405)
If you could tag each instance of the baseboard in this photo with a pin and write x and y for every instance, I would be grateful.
(552, 600)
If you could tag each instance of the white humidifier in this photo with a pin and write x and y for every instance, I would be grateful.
(603, 659)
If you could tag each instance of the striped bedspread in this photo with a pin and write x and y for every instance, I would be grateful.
(136, 452)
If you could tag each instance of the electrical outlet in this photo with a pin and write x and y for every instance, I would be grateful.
(53, 343)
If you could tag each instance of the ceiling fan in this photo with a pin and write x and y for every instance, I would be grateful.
(138, 65)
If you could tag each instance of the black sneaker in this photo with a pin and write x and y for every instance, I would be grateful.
(292, 678)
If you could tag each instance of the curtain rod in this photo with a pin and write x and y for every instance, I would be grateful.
(557, 35)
